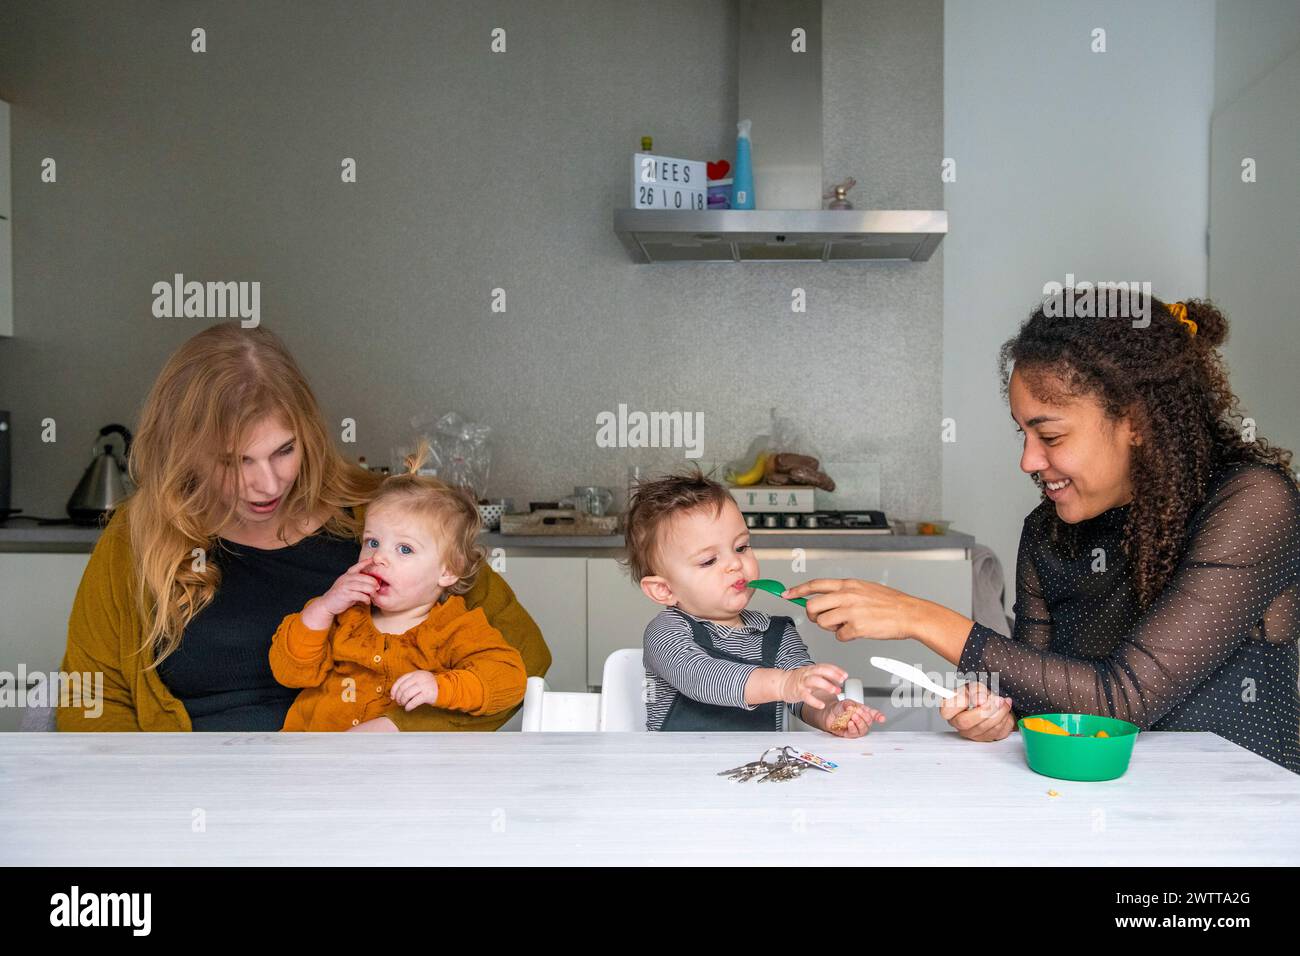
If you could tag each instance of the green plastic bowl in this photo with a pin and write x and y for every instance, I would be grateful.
(1080, 758)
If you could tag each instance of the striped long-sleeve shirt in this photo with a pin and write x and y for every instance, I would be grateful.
(675, 664)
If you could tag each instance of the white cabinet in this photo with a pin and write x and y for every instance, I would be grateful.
(6, 230)
(940, 576)
(617, 613)
(944, 581)
(585, 605)
(36, 593)
(554, 591)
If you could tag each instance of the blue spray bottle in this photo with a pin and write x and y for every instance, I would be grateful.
(743, 189)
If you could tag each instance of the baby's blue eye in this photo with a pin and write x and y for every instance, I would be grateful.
(372, 542)
(406, 549)
(742, 549)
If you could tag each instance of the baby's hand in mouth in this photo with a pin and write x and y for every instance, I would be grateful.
(367, 571)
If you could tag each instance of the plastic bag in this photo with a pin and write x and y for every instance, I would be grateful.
(783, 435)
(460, 451)
(788, 437)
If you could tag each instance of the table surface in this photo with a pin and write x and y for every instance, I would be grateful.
(513, 798)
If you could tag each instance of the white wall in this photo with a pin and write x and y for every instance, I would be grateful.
(1068, 161)
(1255, 227)
(1251, 37)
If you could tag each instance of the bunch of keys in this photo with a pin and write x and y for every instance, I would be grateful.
(787, 766)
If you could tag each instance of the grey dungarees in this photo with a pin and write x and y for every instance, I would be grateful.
(688, 714)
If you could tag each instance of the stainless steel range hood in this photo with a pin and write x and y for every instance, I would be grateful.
(781, 92)
(780, 235)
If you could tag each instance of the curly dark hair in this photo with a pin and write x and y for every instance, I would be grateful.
(1172, 384)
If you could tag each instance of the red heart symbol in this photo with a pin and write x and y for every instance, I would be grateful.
(719, 169)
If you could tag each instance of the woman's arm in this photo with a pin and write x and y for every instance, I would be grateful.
(976, 713)
(101, 619)
(507, 615)
(946, 632)
(1244, 552)
(854, 609)
(940, 628)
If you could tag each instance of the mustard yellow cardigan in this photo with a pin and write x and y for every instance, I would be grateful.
(105, 633)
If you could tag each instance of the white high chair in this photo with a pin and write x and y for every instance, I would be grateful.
(620, 705)
(622, 692)
(548, 710)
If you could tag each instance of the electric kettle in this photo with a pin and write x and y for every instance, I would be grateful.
(105, 485)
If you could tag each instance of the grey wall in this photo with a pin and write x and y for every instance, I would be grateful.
(1067, 161)
(475, 171)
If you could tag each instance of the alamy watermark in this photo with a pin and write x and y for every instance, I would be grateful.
(130, 910)
(635, 429)
(208, 300)
(73, 690)
(907, 694)
(1101, 300)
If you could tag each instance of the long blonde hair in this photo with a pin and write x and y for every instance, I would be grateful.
(206, 400)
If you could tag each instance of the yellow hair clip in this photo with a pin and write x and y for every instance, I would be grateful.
(1179, 312)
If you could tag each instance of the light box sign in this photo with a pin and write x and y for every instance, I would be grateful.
(662, 182)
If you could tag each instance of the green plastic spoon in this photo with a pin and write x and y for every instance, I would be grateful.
(775, 587)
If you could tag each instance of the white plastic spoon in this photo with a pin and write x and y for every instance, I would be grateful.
(913, 674)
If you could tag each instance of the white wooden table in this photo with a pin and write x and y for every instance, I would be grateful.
(484, 799)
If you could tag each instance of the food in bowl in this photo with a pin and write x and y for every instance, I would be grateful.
(1078, 746)
(1045, 726)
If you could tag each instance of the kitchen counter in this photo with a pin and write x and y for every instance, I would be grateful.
(627, 799)
(60, 539)
(809, 540)
(67, 539)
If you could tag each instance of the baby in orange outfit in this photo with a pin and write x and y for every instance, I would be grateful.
(394, 627)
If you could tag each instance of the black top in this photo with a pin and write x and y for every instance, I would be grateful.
(1216, 650)
(222, 671)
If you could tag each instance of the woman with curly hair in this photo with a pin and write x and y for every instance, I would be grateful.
(1159, 580)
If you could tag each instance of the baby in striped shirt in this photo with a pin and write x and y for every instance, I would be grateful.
(711, 663)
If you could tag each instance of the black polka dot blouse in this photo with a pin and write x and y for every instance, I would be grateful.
(1216, 651)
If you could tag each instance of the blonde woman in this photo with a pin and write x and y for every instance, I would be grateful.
(243, 511)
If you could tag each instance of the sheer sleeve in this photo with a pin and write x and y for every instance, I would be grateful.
(1033, 624)
(1243, 551)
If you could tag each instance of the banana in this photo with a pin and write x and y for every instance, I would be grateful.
(755, 473)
